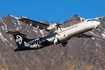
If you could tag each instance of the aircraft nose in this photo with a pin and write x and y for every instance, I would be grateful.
(98, 23)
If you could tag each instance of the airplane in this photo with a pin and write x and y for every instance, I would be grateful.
(55, 36)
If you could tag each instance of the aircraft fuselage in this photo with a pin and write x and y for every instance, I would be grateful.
(62, 35)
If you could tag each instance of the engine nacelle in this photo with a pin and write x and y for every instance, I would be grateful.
(52, 27)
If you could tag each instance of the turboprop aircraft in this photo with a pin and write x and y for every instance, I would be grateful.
(55, 36)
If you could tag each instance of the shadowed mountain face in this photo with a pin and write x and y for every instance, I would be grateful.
(79, 54)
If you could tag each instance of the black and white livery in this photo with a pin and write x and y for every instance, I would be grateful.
(55, 36)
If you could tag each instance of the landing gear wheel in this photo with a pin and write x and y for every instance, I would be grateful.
(55, 43)
(64, 44)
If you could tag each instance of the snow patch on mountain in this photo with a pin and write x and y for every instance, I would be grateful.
(18, 22)
(97, 44)
(2, 27)
(97, 18)
(99, 30)
(103, 35)
(13, 16)
(93, 38)
(14, 22)
(17, 19)
(11, 37)
(41, 31)
(17, 28)
(2, 37)
(5, 26)
(92, 33)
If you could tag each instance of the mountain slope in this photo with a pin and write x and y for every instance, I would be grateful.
(79, 54)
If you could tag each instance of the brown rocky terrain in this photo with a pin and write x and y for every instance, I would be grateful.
(79, 54)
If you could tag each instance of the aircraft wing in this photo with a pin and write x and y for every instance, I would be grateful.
(84, 36)
(39, 25)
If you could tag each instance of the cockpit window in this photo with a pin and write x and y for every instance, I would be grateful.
(89, 20)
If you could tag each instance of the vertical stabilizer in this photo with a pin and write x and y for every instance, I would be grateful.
(20, 40)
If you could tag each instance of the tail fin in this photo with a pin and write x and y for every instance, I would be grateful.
(19, 39)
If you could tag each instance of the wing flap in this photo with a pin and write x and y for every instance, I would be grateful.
(84, 36)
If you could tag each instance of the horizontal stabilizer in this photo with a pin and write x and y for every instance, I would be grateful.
(26, 48)
(23, 49)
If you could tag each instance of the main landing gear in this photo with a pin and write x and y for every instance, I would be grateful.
(64, 44)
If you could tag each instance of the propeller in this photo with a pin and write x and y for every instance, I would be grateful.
(58, 25)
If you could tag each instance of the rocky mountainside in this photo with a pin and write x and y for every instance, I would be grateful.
(79, 54)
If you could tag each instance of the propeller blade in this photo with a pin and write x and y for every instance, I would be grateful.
(58, 26)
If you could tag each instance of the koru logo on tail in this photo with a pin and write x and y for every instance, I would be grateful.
(19, 39)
